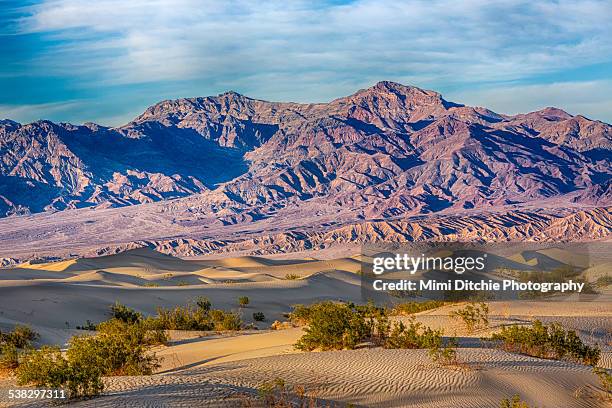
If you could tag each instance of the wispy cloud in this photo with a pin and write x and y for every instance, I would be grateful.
(594, 97)
(311, 51)
(128, 41)
(27, 113)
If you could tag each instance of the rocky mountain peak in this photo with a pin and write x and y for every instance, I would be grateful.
(387, 149)
(552, 113)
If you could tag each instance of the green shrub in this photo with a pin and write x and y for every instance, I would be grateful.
(259, 317)
(473, 315)
(605, 378)
(48, 368)
(13, 343)
(278, 394)
(408, 308)
(514, 402)
(21, 337)
(118, 348)
(124, 313)
(559, 275)
(603, 281)
(300, 314)
(195, 317)
(228, 321)
(547, 341)
(332, 326)
(413, 336)
(182, 318)
(9, 356)
(203, 303)
(444, 355)
(87, 326)
(243, 301)
(336, 326)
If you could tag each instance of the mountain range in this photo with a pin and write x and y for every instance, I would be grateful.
(386, 153)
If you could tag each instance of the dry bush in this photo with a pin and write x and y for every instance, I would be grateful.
(605, 378)
(278, 394)
(547, 341)
(514, 402)
(473, 315)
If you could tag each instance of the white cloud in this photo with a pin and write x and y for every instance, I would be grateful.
(311, 51)
(32, 112)
(137, 40)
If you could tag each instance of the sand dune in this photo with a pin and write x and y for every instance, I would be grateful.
(367, 378)
(213, 370)
(69, 299)
(49, 266)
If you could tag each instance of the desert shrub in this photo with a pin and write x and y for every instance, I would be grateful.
(259, 316)
(300, 314)
(336, 326)
(243, 301)
(332, 326)
(203, 303)
(87, 326)
(12, 345)
(559, 275)
(48, 368)
(514, 402)
(603, 281)
(195, 317)
(118, 348)
(278, 394)
(9, 356)
(228, 321)
(547, 341)
(408, 308)
(412, 336)
(605, 378)
(124, 313)
(444, 355)
(588, 288)
(21, 337)
(182, 318)
(473, 315)
(292, 276)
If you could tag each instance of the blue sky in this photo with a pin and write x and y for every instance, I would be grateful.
(107, 60)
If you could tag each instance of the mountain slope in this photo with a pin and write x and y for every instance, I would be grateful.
(386, 151)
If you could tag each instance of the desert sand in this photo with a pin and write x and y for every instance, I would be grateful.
(223, 369)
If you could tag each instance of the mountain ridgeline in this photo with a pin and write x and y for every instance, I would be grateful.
(386, 151)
